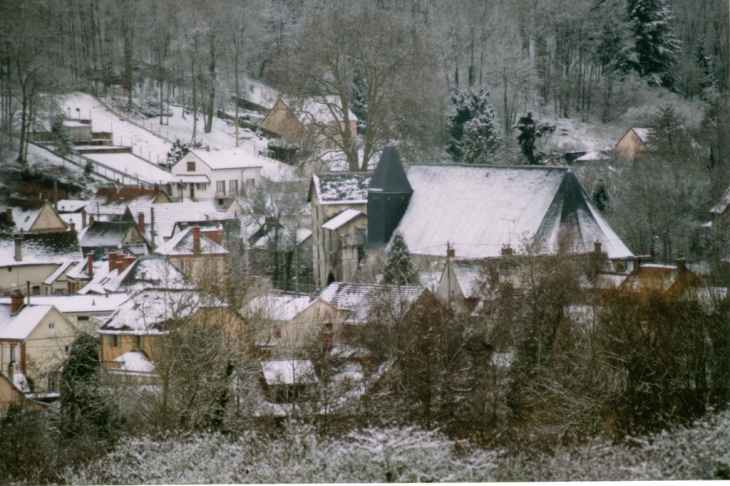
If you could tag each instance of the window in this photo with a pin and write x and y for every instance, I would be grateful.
(250, 182)
(138, 342)
(233, 187)
(82, 318)
(53, 381)
(67, 349)
(202, 186)
(51, 328)
(14, 353)
(360, 254)
(191, 166)
(51, 325)
(118, 341)
(110, 341)
(220, 187)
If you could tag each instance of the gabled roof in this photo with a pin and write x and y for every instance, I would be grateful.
(341, 187)
(58, 273)
(278, 307)
(148, 311)
(237, 158)
(389, 175)
(182, 244)
(41, 248)
(167, 215)
(341, 219)
(369, 302)
(134, 362)
(71, 205)
(479, 209)
(73, 304)
(20, 325)
(319, 110)
(26, 212)
(106, 234)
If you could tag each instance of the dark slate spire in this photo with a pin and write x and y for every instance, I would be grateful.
(389, 175)
(388, 196)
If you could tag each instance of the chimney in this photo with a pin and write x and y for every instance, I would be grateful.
(637, 263)
(507, 250)
(450, 252)
(196, 239)
(83, 217)
(16, 301)
(90, 269)
(9, 214)
(18, 247)
(183, 226)
(112, 255)
(597, 246)
(156, 187)
(140, 222)
(125, 261)
(681, 264)
(73, 227)
(11, 371)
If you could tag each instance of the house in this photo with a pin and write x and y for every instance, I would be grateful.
(114, 201)
(134, 364)
(82, 311)
(107, 236)
(31, 216)
(199, 257)
(339, 201)
(57, 283)
(36, 339)
(309, 122)
(483, 211)
(674, 280)
(634, 142)
(165, 218)
(11, 395)
(273, 311)
(36, 258)
(288, 380)
(150, 314)
(217, 175)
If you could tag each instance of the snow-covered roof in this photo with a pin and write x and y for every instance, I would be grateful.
(342, 187)
(591, 157)
(326, 110)
(191, 178)
(24, 218)
(20, 325)
(237, 158)
(341, 219)
(71, 205)
(722, 204)
(370, 302)
(479, 209)
(610, 280)
(642, 133)
(105, 234)
(134, 362)
(167, 215)
(54, 276)
(75, 304)
(288, 372)
(278, 307)
(336, 160)
(133, 166)
(654, 276)
(148, 311)
(467, 275)
(182, 244)
(41, 248)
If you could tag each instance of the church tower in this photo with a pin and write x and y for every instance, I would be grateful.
(388, 196)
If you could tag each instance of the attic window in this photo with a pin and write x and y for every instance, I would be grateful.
(191, 166)
(27, 218)
(82, 318)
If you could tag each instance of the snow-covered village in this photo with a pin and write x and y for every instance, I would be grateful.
(306, 241)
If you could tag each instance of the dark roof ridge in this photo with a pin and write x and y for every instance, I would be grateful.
(354, 172)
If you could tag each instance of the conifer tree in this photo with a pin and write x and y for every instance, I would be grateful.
(481, 138)
(474, 112)
(530, 130)
(399, 269)
(656, 47)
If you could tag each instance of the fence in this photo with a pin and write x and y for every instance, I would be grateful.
(99, 169)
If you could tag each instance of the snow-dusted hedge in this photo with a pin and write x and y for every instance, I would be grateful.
(406, 454)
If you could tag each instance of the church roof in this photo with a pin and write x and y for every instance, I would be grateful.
(389, 175)
(479, 209)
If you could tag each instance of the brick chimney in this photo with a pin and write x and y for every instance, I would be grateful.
(156, 187)
(450, 252)
(9, 214)
(597, 246)
(196, 239)
(140, 222)
(73, 227)
(16, 301)
(112, 255)
(183, 226)
(637, 263)
(18, 247)
(125, 261)
(90, 265)
(507, 250)
(83, 217)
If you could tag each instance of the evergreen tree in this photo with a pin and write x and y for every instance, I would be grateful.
(469, 105)
(481, 138)
(60, 136)
(655, 45)
(82, 404)
(177, 151)
(399, 269)
(530, 130)
(600, 196)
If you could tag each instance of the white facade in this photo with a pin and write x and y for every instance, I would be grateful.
(218, 175)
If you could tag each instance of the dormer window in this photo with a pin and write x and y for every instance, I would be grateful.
(191, 166)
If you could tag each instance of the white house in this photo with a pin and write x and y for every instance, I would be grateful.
(217, 175)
